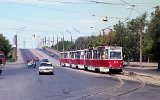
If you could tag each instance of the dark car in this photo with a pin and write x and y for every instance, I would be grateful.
(44, 60)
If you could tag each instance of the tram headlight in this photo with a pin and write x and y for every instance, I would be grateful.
(110, 65)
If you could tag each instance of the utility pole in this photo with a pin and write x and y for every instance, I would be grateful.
(24, 43)
(16, 46)
(57, 41)
(140, 35)
(70, 34)
(53, 41)
(16, 40)
(45, 41)
(63, 40)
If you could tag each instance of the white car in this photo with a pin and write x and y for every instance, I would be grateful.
(46, 67)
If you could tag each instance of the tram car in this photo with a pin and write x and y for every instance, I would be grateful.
(99, 59)
(65, 58)
(104, 59)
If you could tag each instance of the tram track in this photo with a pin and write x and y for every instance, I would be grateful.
(115, 87)
(142, 84)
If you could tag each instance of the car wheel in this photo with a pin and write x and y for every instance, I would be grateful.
(0, 71)
(40, 73)
(52, 73)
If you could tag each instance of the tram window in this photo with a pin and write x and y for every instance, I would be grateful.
(72, 55)
(106, 54)
(62, 55)
(95, 54)
(89, 55)
(82, 55)
(65, 55)
(115, 55)
(78, 55)
(100, 54)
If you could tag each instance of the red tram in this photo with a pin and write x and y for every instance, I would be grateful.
(101, 59)
(2, 58)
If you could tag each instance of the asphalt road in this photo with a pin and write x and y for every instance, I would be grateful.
(17, 82)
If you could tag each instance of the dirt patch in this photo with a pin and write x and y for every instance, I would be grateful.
(147, 78)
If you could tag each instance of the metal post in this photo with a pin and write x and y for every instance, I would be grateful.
(63, 43)
(57, 41)
(70, 34)
(140, 48)
(16, 46)
(48, 41)
(103, 36)
(45, 41)
(53, 41)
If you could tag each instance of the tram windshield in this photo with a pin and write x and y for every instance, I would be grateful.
(115, 55)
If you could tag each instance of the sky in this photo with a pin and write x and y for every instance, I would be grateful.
(52, 18)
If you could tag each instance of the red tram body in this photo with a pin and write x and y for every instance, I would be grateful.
(2, 58)
(102, 58)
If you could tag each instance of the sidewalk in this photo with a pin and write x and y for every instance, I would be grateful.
(19, 59)
(53, 51)
(147, 68)
(145, 65)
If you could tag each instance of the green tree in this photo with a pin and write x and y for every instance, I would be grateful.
(67, 45)
(154, 31)
(4, 44)
(127, 36)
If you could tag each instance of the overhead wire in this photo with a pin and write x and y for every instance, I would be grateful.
(108, 3)
(93, 2)
(65, 2)
(67, 11)
(27, 30)
(55, 9)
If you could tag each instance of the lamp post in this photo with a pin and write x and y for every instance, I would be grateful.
(16, 40)
(103, 32)
(70, 34)
(63, 40)
(57, 41)
(140, 35)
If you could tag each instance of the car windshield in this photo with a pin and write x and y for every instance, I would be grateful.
(45, 64)
(45, 60)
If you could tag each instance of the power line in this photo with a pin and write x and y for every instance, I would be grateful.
(126, 2)
(108, 3)
(28, 30)
(67, 11)
(66, 2)
(51, 9)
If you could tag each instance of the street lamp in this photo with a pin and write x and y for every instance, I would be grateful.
(53, 39)
(105, 19)
(140, 34)
(103, 31)
(16, 39)
(70, 34)
(57, 41)
(62, 40)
